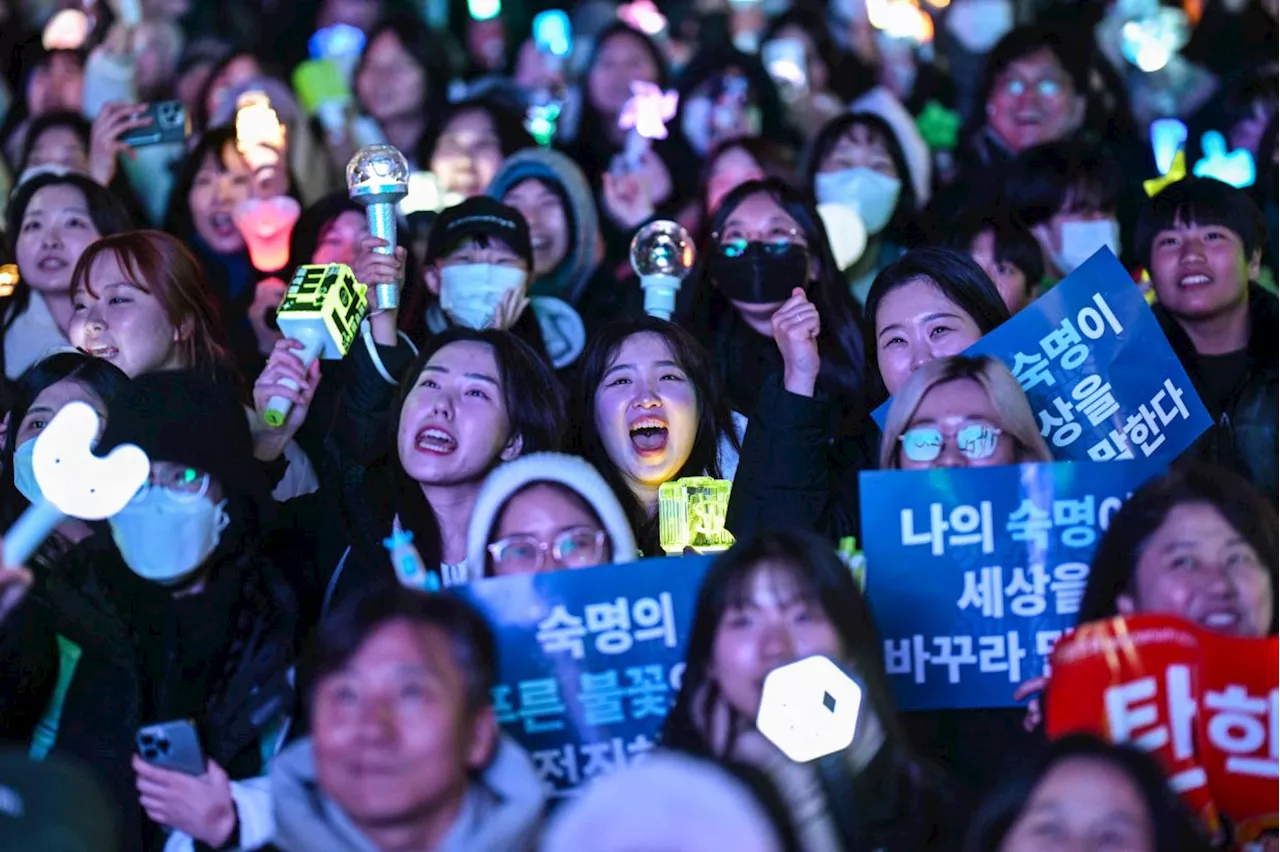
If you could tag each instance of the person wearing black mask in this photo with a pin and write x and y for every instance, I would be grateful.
(766, 240)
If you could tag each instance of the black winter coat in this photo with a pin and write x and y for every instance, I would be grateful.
(221, 658)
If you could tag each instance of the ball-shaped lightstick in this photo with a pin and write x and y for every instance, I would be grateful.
(378, 178)
(662, 254)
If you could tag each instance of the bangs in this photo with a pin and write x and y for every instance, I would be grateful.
(1090, 193)
(128, 265)
(1201, 202)
(788, 580)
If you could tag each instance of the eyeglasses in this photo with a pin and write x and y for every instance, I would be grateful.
(180, 484)
(1048, 87)
(975, 441)
(577, 547)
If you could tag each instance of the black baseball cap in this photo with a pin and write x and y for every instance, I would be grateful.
(480, 216)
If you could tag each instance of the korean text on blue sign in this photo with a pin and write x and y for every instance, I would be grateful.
(1100, 374)
(589, 661)
(973, 573)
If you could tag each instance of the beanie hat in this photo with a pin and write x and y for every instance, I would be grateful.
(574, 473)
(668, 801)
(186, 417)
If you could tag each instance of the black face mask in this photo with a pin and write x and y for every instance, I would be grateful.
(763, 273)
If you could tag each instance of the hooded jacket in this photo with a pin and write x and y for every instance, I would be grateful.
(500, 812)
(568, 281)
(572, 472)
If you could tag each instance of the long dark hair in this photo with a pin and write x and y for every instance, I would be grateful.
(842, 340)
(821, 577)
(900, 223)
(427, 49)
(108, 212)
(1172, 827)
(535, 409)
(715, 421)
(508, 125)
(956, 276)
(1116, 560)
(102, 377)
(212, 143)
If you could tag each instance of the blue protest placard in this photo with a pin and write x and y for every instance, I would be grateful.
(1100, 374)
(589, 661)
(973, 573)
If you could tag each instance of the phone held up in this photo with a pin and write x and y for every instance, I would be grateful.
(169, 123)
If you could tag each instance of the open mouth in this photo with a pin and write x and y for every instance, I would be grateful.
(102, 351)
(1197, 280)
(51, 264)
(438, 441)
(649, 435)
(222, 224)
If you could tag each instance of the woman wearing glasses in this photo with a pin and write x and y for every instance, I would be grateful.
(546, 512)
(170, 614)
(961, 412)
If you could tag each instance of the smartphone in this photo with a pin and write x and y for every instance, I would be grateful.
(172, 745)
(552, 33)
(169, 123)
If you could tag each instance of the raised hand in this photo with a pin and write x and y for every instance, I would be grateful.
(795, 329)
(104, 139)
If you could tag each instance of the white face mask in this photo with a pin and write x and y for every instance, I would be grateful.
(873, 195)
(470, 292)
(1080, 240)
(164, 540)
(979, 24)
(24, 473)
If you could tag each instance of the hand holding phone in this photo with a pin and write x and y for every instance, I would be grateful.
(157, 124)
(172, 745)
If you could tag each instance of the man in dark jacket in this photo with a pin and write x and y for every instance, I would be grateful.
(1202, 242)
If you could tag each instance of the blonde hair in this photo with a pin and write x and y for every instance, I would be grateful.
(1013, 412)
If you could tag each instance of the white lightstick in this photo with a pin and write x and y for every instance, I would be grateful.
(662, 254)
(378, 178)
(809, 709)
(74, 483)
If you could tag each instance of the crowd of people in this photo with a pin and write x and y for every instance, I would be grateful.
(867, 200)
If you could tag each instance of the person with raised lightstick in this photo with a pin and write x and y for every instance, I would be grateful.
(74, 483)
(378, 178)
(323, 309)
